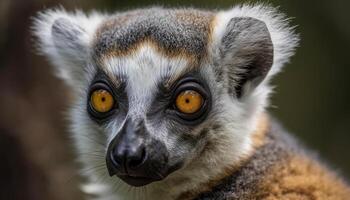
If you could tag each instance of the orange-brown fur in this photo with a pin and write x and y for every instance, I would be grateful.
(148, 42)
(291, 175)
(301, 178)
(258, 137)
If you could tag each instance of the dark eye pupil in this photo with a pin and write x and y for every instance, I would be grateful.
(187, 101)
(103, 99)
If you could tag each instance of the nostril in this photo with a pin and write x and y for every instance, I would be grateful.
(114, 158)
(137, 159)
(127, 160)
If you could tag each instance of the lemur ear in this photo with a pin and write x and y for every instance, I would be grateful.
(70, 40)
(66, 39)
(246, 51)
(252, 43)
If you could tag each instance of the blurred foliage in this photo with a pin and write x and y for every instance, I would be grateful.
(311, 98)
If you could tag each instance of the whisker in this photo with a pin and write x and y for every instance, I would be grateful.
(117, 186)
(102, 178)
(97, 151)
(146, 193)
(94, 140)
(97, 167)
(91, 154)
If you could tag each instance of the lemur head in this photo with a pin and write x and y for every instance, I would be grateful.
(165, 93)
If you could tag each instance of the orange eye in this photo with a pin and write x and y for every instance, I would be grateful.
(189, 101)
(102, 101)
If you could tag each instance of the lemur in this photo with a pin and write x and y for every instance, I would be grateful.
(171, 104)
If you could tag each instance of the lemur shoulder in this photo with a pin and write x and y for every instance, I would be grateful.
(171, 104)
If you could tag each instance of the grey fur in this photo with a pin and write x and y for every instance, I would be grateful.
(242, 183)
(169, 28)
(233, 48)
(69, 33)
(248, 50)
(67, 38)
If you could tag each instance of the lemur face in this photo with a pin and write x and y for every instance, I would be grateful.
(153, 111)
(160, 91)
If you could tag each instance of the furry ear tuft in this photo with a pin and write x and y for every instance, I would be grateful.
(65, 38)
(70, 40)
(252, 43)
(246, 50)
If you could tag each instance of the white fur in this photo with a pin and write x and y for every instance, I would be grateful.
(232, 144)
(282, 35)
(144, 68)
(64, 66)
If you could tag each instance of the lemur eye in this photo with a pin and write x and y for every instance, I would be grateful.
(101, 100)
(189, 101)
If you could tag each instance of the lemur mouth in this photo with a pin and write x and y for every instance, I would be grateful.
(137, 181)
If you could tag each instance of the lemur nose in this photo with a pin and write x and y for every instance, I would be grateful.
(135, 157)
(126, 159)
(127, 153)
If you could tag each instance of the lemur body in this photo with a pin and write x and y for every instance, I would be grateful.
(172, 101)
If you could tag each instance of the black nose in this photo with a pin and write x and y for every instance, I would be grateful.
(128, 159)
(128, 155)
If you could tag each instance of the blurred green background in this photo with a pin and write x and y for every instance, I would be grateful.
(311, 98)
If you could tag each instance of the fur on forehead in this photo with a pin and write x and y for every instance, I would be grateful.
(144, 71)
(72, 40)
(172, 31)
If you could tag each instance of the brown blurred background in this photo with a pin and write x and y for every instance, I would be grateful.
(312, 97)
